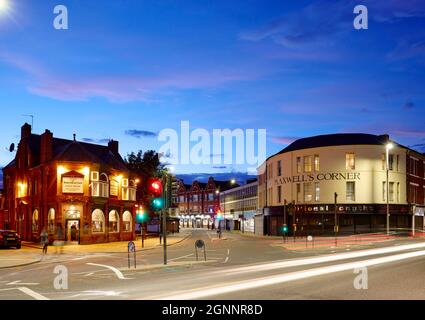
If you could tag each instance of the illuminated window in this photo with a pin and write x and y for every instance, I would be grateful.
(98, 221)
(316, 163)
(317, 189)
(351, 191)
(299, 168)
(114, 220)
(298, 192)
(308, 192)
(51, 221)
(350, 161)
(95, 176)
(127, 219)
(35, 221)
(391, 195)
(308, 164)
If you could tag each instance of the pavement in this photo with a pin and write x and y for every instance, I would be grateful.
(30, 253)
(238, 268)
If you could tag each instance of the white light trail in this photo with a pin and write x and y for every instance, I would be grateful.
(274, 280)
(317, 260)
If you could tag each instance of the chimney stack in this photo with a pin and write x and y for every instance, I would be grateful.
(114, 147)
(25, 131)
(46, 152)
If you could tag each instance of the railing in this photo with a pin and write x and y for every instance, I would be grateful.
(100, 189)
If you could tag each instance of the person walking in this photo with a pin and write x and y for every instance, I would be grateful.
(59, 239)
(44, 239)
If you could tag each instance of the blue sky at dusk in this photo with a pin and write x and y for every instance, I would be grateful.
(127, 69)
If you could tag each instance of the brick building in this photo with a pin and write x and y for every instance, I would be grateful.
(198, 203)
(85, 189)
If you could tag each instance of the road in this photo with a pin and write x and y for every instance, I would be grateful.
(238, 267)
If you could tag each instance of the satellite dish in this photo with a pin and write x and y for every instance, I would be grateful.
(12, 147)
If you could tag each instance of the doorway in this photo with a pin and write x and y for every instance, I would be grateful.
(73, 231)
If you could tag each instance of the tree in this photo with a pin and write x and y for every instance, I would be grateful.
(145, 166)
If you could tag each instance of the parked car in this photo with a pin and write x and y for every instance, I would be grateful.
(9, 238)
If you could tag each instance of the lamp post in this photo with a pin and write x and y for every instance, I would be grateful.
(388, 147)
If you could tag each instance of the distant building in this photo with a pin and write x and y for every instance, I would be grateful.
(199, 203)
(85, 189)
(239, 206)
(297, 186)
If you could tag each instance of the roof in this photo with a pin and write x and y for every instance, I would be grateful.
(339, 139)
(74, 151)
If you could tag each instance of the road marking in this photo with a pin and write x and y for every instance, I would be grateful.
(319, 259)
(189, 255)
(115, 270)
(14, 283)
(273, 280)
(228, 257)
(33, 294)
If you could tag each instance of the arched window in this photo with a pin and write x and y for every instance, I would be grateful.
(35, 221)
(98, 221)
(114, 221)
(51, 221)
(127, 219)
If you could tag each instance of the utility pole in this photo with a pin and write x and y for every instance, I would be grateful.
(164, 218)
(336, 219)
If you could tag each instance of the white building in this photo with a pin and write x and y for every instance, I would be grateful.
(306, 175)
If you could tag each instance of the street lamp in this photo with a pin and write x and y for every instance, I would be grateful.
(388, 147)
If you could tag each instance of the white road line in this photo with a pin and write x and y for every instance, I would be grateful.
(19, 282)
(33, 294)
(228, 257)
(319, 259)
(115, 270)
(189, 255)
(273, 280)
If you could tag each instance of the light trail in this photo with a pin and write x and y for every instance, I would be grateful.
(317, 260)
(274, 280)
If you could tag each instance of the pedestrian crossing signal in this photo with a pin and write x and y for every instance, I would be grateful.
(285, 228)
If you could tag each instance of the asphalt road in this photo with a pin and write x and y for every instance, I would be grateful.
(237, 268)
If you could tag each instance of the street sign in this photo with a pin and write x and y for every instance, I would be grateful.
(199, 245)
(131, 247)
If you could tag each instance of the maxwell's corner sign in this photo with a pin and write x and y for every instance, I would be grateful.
(319, 177)
(72, 185)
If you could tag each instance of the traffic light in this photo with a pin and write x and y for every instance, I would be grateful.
(285, 228)
(155, 187)
(141, 216)
(158, 203)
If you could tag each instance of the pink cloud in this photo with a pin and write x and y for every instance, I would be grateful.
(120, 89)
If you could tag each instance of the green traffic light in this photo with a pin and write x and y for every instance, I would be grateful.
(158, 203)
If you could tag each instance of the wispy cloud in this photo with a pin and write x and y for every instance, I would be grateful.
(122, 88)
(91, 140)
(284, 140)
(141, 133)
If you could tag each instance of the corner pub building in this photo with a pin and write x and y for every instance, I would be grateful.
(298, 184)
(86, 189)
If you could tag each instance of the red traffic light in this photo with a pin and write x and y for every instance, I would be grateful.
(156, 187)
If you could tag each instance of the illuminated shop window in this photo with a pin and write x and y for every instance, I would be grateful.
(35, 221)
(51, 221)
(98, 221)
(127, 221)
(114, 221)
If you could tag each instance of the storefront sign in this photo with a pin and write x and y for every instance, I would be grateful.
(335, 176)
(72, 185)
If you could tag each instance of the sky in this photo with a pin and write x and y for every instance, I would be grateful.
(127, 69)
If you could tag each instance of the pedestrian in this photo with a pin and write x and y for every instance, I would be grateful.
(44, 239)
(59, 239)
